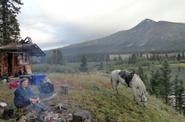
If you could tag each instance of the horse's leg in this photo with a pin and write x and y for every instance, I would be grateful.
(114, 85)
(135, 92)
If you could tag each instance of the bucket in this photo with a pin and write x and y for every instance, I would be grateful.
(64, 89)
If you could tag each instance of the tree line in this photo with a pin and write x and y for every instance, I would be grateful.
(161, 85)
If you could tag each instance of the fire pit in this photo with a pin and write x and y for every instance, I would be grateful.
(43, 117)
(58, 113)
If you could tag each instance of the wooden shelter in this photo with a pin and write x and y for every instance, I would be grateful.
(15, 58)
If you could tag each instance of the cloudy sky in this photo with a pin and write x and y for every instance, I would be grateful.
(52, 23)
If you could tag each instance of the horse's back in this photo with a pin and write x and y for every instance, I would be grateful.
(114, 74)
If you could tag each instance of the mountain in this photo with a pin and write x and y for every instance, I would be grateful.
(148, 35)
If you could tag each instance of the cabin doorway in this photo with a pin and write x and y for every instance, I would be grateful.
(10, 65)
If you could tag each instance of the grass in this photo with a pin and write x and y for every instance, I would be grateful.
(96, 95)
(93, 92)
(6, 94)
(121, 108)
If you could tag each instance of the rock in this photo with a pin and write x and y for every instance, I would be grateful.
(8, 113)
(3, 105)
(82, 116)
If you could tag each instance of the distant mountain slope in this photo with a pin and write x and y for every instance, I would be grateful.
(148, 35)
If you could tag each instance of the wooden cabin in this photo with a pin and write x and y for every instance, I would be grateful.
(15, 58)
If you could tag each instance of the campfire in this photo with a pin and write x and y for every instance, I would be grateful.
(45, 116)
(61, 109)
(58, 113)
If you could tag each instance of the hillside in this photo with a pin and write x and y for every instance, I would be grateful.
(148, 35)
(93, 92)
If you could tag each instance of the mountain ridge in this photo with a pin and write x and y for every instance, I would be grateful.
(148, 35)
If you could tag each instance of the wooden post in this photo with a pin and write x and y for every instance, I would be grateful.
(64, 89)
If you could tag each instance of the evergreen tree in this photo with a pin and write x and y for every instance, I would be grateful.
(141, 72)
(155, 82)
(9, 26)
(165, 72)
(178, 57)
(100, 66)
(132, 59)
(120, 60)
(144, 77)
(183, 101)
(84, 65)
(57, 57)
(179, 94)
(176, 90)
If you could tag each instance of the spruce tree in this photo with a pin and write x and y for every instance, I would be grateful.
(155, 82)
(120, 60)
(100, 66)
(9, 26)
(183, 101)
(165, 72)
(132, 59)
(57, 57)
(141, 72)
(181, 96)
(178, 57)
(179, 90)
(176, 92)
(83, 65)
(144, 77)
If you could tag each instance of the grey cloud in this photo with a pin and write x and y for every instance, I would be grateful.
(122, 18)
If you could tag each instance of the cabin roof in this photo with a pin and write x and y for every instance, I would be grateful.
(26, 47)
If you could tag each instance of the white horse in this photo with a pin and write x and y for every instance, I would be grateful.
(131, 80)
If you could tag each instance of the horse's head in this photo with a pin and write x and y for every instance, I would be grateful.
(143, 98)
